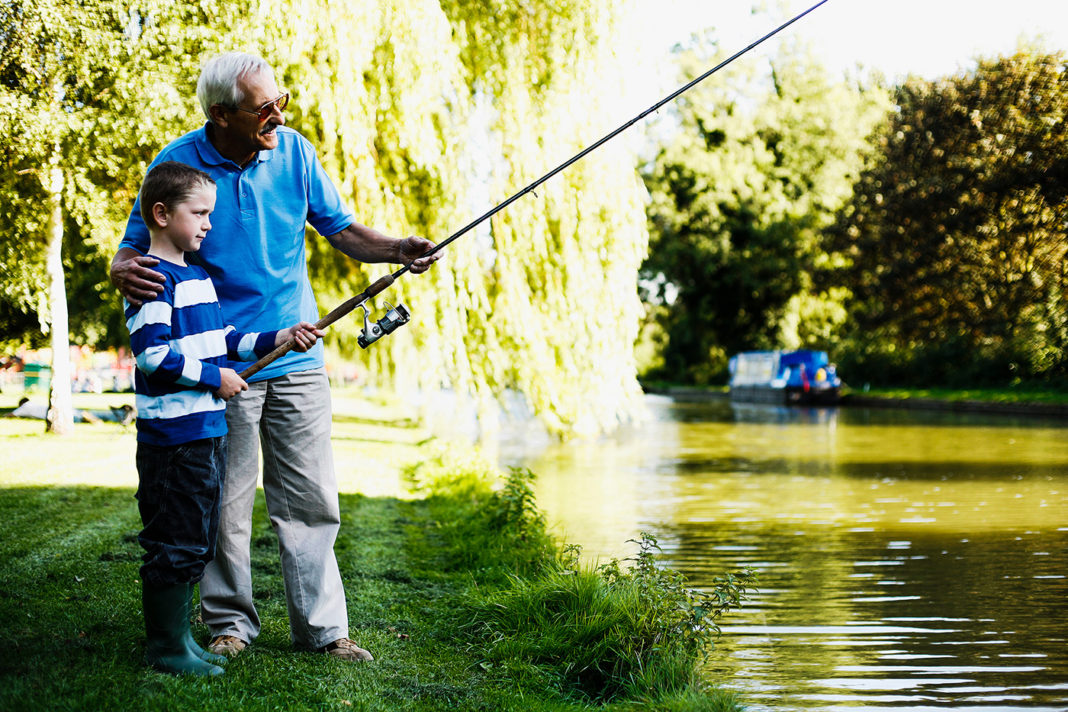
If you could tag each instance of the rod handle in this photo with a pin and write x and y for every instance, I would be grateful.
(341, 310)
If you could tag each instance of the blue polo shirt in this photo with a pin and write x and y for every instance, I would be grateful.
(255, 252)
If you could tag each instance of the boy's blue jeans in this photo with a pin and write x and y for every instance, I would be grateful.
(178, 495)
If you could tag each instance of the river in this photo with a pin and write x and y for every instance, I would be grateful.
(906, 560)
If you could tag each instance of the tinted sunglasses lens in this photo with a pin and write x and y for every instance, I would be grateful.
(267, 109)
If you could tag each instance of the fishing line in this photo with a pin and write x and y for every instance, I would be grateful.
(399, 315)
(608, 137)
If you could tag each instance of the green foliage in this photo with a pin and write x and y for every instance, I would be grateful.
(943, 266)
(605, 633)
(425, 113)
(1024, 394)
(955, 237)
(741, 194)
(556, 271)
(513, 508)
(96, 89)
(684, 616)
(428, 114)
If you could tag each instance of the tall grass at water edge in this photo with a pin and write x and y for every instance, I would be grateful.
(596, 634)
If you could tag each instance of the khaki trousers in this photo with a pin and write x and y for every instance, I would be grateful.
(288, 418)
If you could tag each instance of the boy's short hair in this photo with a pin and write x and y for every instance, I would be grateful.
(169, 183)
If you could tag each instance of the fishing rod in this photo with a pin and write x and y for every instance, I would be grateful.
(398, 315)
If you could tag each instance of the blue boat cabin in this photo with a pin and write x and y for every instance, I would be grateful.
(790, 377)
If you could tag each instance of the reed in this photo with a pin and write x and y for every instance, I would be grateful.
(627, 630)
(606, 633)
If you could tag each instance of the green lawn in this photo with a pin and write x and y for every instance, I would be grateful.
(416, 568)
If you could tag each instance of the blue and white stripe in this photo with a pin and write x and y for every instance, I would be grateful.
(154, 312)
(193, 292)
(174, 405)
(179, 343)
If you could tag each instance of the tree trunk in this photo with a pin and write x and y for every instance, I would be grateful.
(60, 417)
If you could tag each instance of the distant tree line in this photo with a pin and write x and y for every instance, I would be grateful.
(918, 233)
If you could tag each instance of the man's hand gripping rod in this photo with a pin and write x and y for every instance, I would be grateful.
(386, 281)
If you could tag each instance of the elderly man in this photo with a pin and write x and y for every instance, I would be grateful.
(270, 185)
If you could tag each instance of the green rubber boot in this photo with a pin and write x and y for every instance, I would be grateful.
(167, 625)
(190, 641)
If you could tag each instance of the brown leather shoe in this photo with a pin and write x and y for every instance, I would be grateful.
(345, 649)
(226, 645)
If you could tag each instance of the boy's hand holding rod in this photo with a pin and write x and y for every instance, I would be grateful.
(340, 311)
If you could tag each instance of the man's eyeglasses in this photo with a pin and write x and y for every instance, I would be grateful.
(265, 111)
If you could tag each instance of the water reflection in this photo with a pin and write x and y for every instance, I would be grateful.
(907, 561)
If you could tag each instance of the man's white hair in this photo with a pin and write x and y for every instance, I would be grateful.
(219, 77)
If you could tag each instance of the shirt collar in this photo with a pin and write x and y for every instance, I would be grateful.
(211, 156)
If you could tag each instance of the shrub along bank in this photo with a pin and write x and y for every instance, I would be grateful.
(464, 599)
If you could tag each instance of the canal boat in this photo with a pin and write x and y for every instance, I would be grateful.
(784, 377)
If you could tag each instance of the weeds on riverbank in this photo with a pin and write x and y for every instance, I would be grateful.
(605, 633)
(477, 527)
(541, 620)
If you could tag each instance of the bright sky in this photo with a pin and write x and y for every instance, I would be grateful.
(926, 37)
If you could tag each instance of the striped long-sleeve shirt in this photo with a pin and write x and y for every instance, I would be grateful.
(179, 341)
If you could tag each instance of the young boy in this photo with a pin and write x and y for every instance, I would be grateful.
(182, 382)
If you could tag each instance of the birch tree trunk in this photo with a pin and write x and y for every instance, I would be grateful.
(60, 417)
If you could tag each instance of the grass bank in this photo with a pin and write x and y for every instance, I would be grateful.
(456, 588)
(1015, 396)
(1022, 400)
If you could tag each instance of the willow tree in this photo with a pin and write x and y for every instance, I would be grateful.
(564, 270)
(428, 113)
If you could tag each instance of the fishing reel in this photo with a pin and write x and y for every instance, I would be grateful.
(395, 317)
